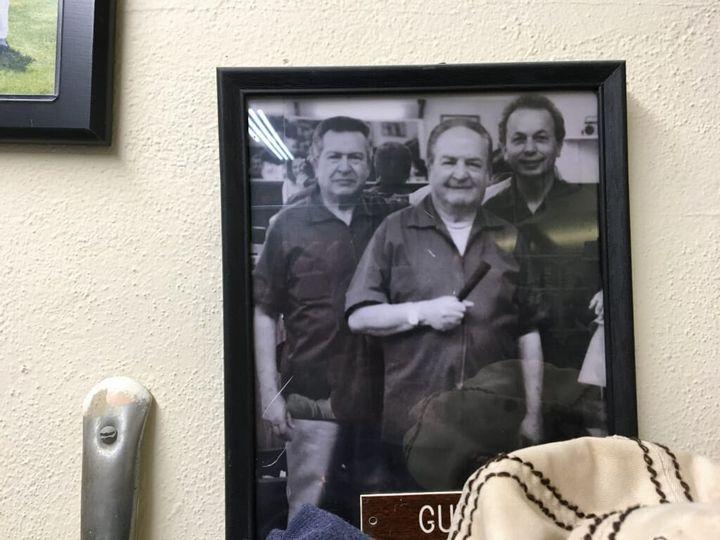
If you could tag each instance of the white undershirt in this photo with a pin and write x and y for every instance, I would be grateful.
(460, 233)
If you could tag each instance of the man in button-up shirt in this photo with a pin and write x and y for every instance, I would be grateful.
(407, 284)
(558, 221)
(308, 259)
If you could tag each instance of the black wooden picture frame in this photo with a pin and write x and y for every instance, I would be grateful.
(236, 86)
(81, 113)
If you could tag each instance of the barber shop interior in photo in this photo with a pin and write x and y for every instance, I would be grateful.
(386, 270)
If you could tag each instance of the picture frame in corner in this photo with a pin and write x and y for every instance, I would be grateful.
(56, 72)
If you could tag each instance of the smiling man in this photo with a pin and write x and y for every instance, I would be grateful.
(558, 222)
(532, 132)
(407, 289)
(309, 256)
(558, 219)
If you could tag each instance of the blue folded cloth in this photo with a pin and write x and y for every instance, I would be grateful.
(311, 523)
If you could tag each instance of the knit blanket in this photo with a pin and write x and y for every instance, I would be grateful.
(611, 488)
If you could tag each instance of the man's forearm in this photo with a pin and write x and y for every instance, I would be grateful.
(382, 319)
(531, 359)
(265, 362)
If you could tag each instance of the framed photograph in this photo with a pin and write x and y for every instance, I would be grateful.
(424, 266)
(56, 66)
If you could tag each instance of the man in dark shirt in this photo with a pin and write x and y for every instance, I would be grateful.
(309, 256)
(558, 222)
(407, 284)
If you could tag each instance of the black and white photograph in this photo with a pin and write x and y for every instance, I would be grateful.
(426, 288)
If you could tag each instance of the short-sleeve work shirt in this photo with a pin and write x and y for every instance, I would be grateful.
(561, 266)
(306, 264)
(411, 258)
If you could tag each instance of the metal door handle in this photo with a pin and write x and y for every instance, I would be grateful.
(114, 416)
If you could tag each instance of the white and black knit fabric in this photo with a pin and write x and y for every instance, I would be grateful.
(611, 488)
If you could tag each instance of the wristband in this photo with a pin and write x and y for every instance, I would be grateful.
(413, 317)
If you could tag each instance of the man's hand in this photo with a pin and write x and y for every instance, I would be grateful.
(279, 418)
(531, 429)
(444, 313)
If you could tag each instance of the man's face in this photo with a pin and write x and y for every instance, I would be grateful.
(342, 166)
(459, 171)
(531, 147)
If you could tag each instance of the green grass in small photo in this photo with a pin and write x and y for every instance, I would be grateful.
(28, 68)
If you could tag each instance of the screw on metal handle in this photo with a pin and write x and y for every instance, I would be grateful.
(108, 434)
(114, 416)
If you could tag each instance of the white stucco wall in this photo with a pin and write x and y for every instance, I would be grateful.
(110, 259)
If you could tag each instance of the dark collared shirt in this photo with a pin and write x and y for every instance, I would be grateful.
(561, 263)
(306, 264)
(412, 258)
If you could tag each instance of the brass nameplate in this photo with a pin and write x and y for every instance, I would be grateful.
(408, 516)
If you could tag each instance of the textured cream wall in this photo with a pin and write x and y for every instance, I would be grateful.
(110, 259)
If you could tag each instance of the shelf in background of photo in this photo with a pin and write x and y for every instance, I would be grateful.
(575, 163)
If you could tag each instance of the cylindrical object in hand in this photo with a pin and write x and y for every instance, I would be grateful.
(479, 273)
